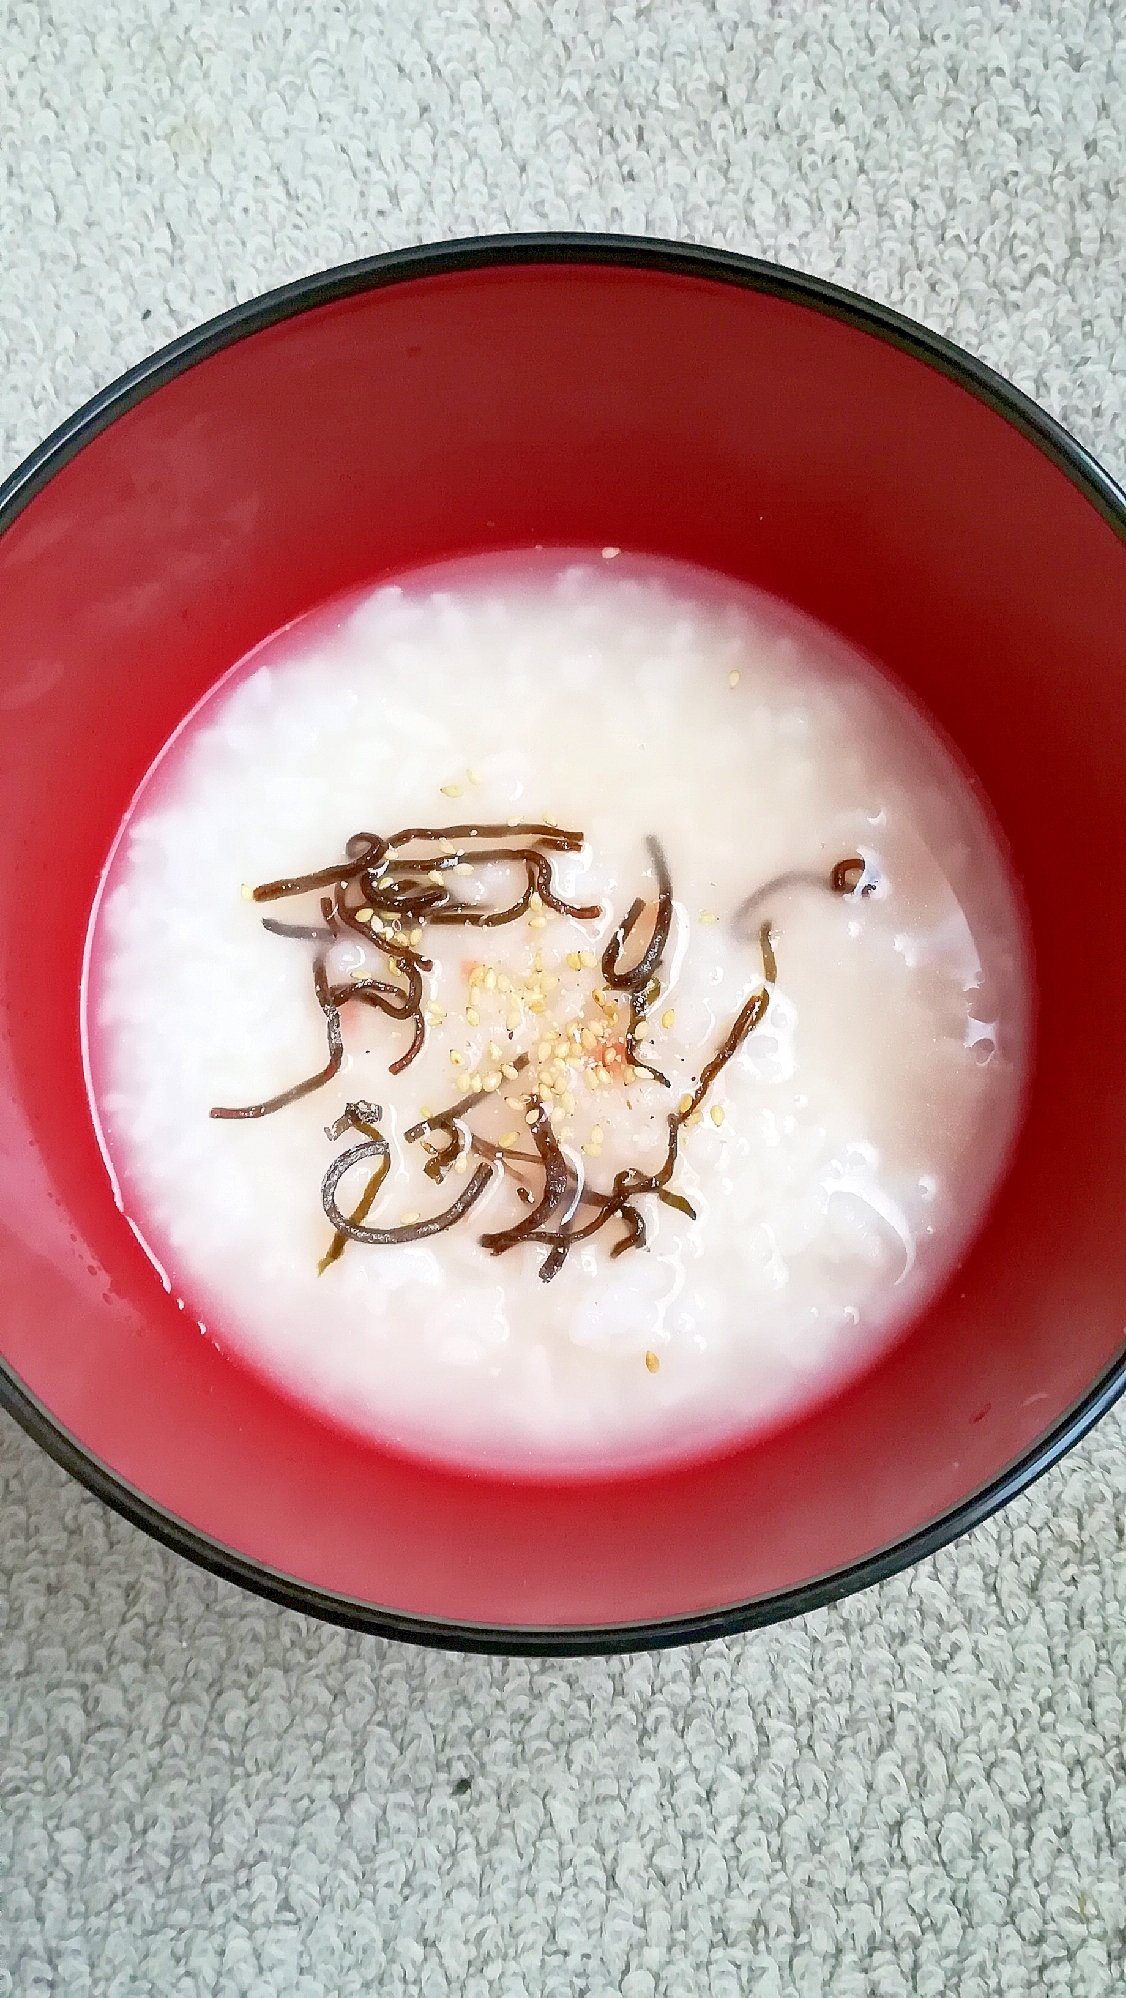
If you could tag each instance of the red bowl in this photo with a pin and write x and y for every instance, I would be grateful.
(577, 390)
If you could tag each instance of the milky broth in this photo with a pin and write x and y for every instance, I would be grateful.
(840, 1161)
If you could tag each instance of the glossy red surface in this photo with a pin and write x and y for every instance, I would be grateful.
(580, 403)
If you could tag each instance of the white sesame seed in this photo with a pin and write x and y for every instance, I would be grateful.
(364, 915)
(697, 1117)
(456, 1058)
(507, 1140)
(465, 1085)
(708, 916)
(462, 867)
(685, 1105)
(589, 960)
(608, 554)
(668, 1019)
(435, 877)
(446, 846)
(473, 1016)
(596, 1134)
(492, 1082)
(550, 982)
(575, 960)
(592, 1078)
(532, 1117)
(461, 1165)
(504, 982)
(494, 1051)
(535, 901)
(409, 1220)
(451, 790)
(416, 939)
(537, 922)
(474, 776)
(515, 1102)
(508, 1069)
(536, 1005)
(512, 1020)
(477, 1083)
(733, 679)
(653, 1363)
(490, 980)
(716, 1113)
(247, 892)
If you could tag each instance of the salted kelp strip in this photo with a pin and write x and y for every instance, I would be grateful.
(331, 1012)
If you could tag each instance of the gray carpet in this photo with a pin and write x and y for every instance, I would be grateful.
(919, 1792)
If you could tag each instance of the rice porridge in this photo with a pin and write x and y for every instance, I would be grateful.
(564, 1010)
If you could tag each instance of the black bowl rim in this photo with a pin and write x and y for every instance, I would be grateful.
(482, 253)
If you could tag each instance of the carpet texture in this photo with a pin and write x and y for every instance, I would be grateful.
(919, 1792)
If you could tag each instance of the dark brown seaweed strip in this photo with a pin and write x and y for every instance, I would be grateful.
(437, 1120)
(541, 868)
(554, 836)
(635, 1235)
(366, 846)
(373, 992)
(618, 943)
(359, 1213)
(312, 1082)
(415, 1231)
(676, 1200)
(638, 976)
(307, 932)
(407, 910)
(359, 851)
(769, 961)
(539, 881)
(486, 919)
(746, 1021)
(391, 948)
(438, 1166)
(837, 881)
(558, 1180)
(638, 1010)
(357, 1116)
(417, 1038)
(303, 884)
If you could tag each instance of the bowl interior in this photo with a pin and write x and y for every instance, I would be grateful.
(505, 403)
